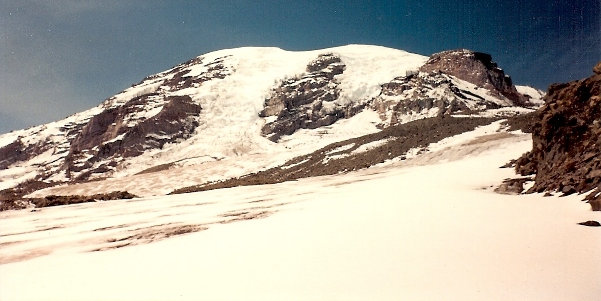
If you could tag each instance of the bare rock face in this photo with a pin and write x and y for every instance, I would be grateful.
(305, 102)
(477, 68)
(13, 152)
(109, 135)
(181, 78)
(147, 121)
(309, 101)
(566, 152)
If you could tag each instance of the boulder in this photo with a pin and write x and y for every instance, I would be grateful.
(591, 224)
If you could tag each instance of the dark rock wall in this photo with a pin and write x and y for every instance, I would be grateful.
(112, 136)
(17, 151)
(97, 142)
(305, 102)
(477, 68)
(11, 153)
(566, 152)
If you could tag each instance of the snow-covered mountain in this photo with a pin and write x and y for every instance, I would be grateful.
(384, 183)
(234, 112)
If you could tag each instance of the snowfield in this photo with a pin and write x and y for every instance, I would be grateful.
(427, 228)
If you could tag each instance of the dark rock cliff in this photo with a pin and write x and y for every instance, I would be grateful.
(566, 151)
(108, 135)
(477, 68)
(305, 102)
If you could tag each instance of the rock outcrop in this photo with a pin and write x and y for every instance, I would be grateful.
(566, 152)
(477, 68)
(421, 95)
(590, 224)
(307, 101)
(14, 152)
(108, 134)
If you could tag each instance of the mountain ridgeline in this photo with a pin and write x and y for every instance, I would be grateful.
(234, 112)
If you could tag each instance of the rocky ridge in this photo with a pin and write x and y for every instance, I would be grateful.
(106, 137)
(431, 94)
(566, 151)
(451, 82)
(477, 68)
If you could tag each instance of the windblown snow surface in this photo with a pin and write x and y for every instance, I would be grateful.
(427, 228)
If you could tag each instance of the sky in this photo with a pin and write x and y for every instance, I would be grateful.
(59, 57)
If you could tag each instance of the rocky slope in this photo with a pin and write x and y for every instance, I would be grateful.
(234, 112)
(395, 142)
(566, 152)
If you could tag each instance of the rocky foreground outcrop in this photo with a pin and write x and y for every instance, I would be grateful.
(566, 151)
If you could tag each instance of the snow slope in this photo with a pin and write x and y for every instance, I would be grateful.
(421, 229)
(536, 95)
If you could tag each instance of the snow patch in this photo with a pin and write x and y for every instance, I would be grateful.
(536, 95)
(371, 145)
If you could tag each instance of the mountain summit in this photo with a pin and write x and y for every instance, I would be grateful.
(238, 111)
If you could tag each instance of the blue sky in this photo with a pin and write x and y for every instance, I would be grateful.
(64, 56)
